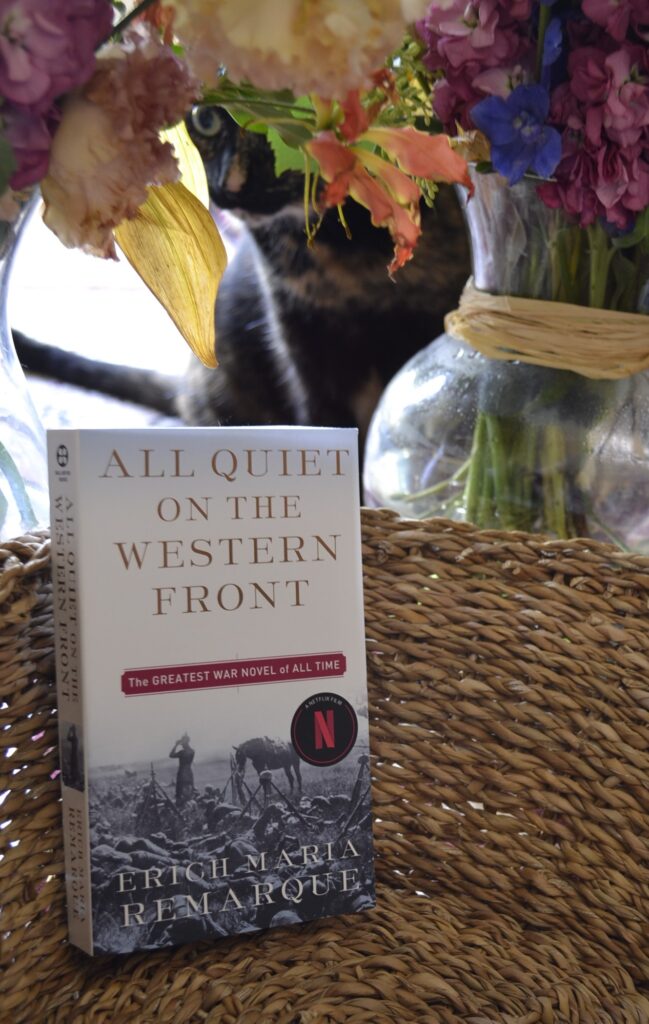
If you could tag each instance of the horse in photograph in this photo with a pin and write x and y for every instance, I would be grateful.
(267, 754)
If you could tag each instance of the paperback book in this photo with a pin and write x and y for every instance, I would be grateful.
(211, 681)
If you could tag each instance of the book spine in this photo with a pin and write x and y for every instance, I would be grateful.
(63, 459)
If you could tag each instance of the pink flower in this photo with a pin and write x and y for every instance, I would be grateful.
(47, 47)
(626, 111)
(589, 78)
(622, 184)
(607, 95)
(572, 188)
(616, 15)
(499, 81)
(30, 138)
(481, 48)
(605, 182)
(106, 151)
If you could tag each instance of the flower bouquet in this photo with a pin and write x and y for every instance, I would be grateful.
(530, 414)
(94, 94)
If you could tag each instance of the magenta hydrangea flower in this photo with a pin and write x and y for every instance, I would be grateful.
(47, 47)
(481, 49)
(617, 16)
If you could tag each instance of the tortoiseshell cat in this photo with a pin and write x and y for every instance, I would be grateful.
(304, 335)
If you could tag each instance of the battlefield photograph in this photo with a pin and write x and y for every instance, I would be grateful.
(198, 843)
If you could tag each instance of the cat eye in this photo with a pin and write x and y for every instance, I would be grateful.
(206, 121)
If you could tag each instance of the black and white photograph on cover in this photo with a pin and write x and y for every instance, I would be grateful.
(71, 745)
(196, 841)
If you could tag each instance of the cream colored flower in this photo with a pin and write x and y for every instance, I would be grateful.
(97, 178)
(106, 151)
(321, 46)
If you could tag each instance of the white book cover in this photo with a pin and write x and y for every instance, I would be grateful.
(211, 681)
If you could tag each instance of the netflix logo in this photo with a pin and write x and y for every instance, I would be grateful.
(324, 729)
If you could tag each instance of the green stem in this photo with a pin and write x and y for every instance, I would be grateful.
(544, 21)
(485, 515)
(442, 485)
(524, 471)
(476, 478)
(496, 432)
(553, 457)
(600, 253)
(18, 489)
(565, 258)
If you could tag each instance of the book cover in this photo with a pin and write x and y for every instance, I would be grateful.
(211, 681)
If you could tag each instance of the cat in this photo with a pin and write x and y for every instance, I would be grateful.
(305, 334)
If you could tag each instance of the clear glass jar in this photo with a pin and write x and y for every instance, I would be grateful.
(24, 502)
(505, 444)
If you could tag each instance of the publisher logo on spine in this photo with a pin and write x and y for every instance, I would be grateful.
(324, 729)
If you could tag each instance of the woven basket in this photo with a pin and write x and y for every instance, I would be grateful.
(509, 691)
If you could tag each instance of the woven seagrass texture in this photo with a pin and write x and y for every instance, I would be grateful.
(509, 693)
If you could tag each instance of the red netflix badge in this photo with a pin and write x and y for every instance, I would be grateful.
(324, 729)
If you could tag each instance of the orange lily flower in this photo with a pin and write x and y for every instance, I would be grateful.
(382, 183)
(161, 17)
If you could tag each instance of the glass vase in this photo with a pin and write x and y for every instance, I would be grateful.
(24, 502)
(505, 444)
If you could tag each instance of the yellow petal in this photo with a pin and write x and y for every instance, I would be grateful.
(175, 247)
(190, 163)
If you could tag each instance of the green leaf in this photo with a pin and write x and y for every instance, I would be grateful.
(288, 158)
(293, 132)
(7, 163)
(625, 274)
(640, 232)
(255, 111)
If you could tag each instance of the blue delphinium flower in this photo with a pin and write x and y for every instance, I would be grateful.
(520, 139)
(552, 42)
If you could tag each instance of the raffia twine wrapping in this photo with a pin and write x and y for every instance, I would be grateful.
(509, 709)
(602, 344)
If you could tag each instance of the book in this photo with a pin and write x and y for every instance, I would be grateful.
(211, 679)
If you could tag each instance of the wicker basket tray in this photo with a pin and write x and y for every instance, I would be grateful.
(509, 692)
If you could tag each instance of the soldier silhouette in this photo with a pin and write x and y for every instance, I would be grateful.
(185, 776)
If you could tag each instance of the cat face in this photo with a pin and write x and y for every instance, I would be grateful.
(240, 165)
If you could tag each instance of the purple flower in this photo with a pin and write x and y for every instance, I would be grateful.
(552, 43)
(516, 128)
(47, 47)
(30, 138)
(572, 188)
(552, 49)
(616, 15)
(467, 40)
(626, 112)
